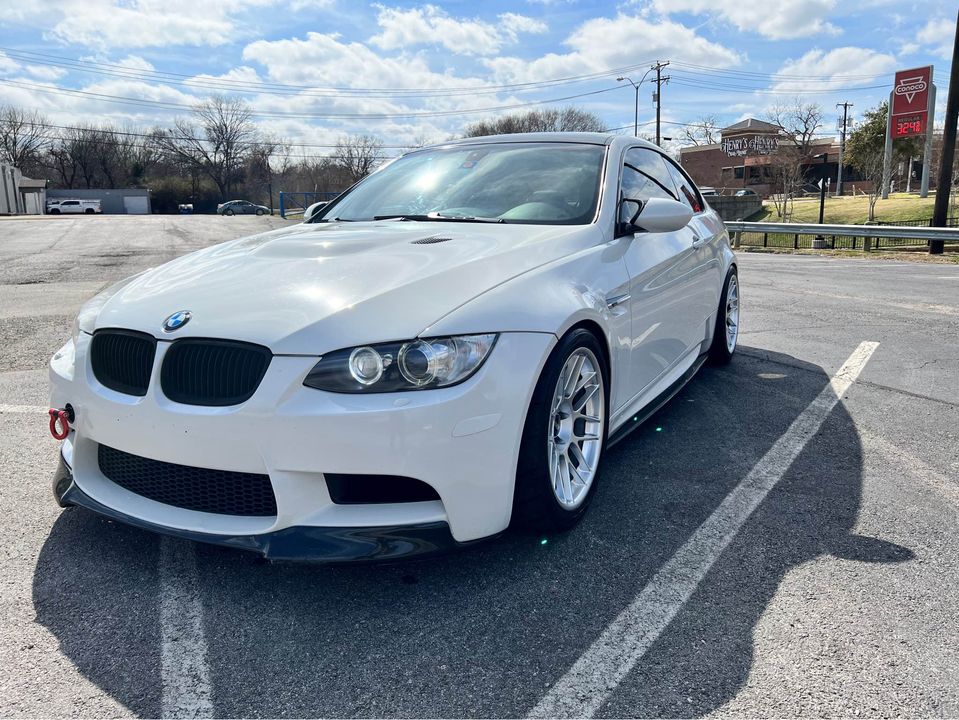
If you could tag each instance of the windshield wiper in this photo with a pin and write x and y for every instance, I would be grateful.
(437, 217)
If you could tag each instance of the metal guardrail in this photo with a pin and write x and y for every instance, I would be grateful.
(835, 237)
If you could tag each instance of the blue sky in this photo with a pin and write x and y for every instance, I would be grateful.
(410, 72)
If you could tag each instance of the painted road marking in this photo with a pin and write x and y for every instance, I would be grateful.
(586, 686)
(184, 672)
(25, 409)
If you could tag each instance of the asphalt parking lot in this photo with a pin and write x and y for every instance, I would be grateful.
(836, 596)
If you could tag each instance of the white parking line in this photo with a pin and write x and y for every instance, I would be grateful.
(25, 409)
(184, 672)
(585, 687)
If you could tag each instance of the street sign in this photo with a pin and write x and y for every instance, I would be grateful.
(910, 102)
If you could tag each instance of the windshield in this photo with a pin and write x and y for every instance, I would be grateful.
(539, 183)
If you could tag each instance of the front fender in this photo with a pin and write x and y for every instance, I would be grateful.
(552, 299)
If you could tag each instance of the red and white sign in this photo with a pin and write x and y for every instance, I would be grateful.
(910, 102)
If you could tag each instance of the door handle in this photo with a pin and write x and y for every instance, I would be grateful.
(697, 241)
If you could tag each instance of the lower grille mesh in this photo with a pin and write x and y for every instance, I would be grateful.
(214, 491)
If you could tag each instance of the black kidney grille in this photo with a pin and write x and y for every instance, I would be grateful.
(213, 491)
(207, 372)
(122, 360)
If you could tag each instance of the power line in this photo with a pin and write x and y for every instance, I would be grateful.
(231, 85)
(123, 100)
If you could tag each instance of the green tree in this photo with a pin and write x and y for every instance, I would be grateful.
(866, 146)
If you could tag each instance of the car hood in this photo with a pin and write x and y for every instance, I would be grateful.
(314, 288)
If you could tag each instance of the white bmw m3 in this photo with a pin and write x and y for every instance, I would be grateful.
(448, 347)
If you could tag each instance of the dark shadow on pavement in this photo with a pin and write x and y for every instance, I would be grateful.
(485, 632)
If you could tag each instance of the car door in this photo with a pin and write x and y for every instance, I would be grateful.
(660, 265)
(70, 206)
(707, 231)
(247, 208)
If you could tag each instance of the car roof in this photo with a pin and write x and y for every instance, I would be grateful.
(587, 138)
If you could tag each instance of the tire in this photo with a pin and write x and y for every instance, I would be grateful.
(537, 506)
(722, 348)
(89, 211)
(54, 211)
(261, 212)
(227, 212)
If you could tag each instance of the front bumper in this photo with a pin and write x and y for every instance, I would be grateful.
(463, 441)
(329, 544)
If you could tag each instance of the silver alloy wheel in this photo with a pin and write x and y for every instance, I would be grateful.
(577, 419)
(732, 313)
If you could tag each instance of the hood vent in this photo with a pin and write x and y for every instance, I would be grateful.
(432, 240)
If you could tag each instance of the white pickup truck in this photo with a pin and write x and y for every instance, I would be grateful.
(56, 207)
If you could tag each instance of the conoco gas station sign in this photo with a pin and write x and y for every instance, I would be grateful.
(910, 102)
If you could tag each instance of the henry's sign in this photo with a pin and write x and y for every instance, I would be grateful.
(910, 102)
(751, 145)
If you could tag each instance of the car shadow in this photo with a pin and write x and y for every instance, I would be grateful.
(485, 632)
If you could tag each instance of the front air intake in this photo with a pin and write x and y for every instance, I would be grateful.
(376, 489)
(222, 492)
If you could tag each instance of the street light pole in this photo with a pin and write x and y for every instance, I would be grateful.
(636, 109)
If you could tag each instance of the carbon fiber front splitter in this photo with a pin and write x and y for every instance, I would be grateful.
(301, 543)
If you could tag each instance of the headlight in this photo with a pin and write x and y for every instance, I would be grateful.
(393, 367)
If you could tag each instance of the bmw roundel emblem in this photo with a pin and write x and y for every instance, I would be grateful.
(177, 320)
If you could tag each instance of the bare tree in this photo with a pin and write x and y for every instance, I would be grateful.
(217, 142)
(357, 155)
(23, 137)
(704, 131)
(798, 124)
(260, 165)
(568, 119)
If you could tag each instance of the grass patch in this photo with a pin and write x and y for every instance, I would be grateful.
(849, 210)
(921, 256)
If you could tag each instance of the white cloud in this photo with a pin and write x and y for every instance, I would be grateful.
(515, 24)
(841, 67)
(8, 66)
(431, 25)
(603, 43)
(45, 72)
(108, 24)
(775, 19)
(940, 34)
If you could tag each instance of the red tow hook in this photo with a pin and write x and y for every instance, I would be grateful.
(63, 418)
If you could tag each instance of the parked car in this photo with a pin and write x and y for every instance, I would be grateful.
(242, 207)
(746, 192)
(88, 207)
(445, 349)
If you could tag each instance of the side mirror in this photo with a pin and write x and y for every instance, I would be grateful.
(661, 215)
(313, 210)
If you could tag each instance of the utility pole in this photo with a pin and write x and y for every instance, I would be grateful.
(658, 67)
(936, 247)
(842, 143)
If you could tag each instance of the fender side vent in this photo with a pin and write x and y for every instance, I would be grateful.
(430, 240)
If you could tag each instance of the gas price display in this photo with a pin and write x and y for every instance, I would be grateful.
(908, 125)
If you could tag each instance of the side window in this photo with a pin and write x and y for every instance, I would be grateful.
(652, 165)
(637, 186)
(644, 177)
(687, 191)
